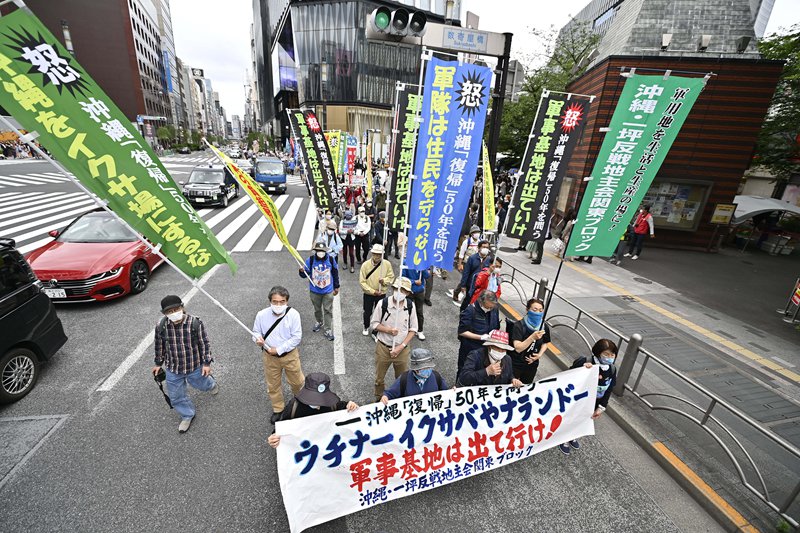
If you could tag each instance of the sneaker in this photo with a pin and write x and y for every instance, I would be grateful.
(329, 335)
(456, 303)
(565, 449)
(429, 303)
(183, 427)
(575, 444)
(635, 257)
(536, 262)
(627, 254)
(214, 390)
(317, 327)
(374, 338)
(450, 293)
(420, 336)
(275, 416)
(365, 332)
(352, 270)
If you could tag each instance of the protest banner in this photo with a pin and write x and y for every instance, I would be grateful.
(333, 139)
(556, 130)
(368, 174)
(260, 198)
(454, 105)
(312, 150)
(381, 453)
(648, 117)
(402, 156)
(488, 193)
(46, 90)
(352, 151)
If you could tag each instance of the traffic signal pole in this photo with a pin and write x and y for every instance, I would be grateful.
(498, 99)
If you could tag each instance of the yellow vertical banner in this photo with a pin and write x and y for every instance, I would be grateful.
(368, 176)
(488, 193)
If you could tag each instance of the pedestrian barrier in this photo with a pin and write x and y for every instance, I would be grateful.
(792, 305)
(656, 384)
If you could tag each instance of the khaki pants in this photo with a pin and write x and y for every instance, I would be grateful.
(382, 363)
(274, 367)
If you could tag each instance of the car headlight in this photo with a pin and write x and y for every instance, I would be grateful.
(113, 272)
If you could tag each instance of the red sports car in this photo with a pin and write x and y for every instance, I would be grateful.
(95, 258)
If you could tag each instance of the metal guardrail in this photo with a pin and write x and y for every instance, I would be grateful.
(625, 371)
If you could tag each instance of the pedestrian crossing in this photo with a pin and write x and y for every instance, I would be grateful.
(203, 160)
(27, 217)
(10, 181)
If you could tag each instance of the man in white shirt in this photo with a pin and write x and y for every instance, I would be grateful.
(278, 332)
(363, 228)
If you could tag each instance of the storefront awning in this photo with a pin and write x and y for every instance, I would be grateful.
(749, 206)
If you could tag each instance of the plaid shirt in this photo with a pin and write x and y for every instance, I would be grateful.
(176, 350)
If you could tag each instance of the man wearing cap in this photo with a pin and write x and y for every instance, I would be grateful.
(331, 239)
(475, 323)
(418, 379)
(323, 284)
(375, 276)
(490, 364)
(394, 323)
(278, 333)
(313, 399)
(363, 227)
(182, 346)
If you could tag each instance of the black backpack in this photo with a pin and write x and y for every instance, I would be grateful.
(195, 329)
(385, 308)
(404, 381)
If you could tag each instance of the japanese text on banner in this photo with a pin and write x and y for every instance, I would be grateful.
(312, 149)
(408, 108)
(488, 192)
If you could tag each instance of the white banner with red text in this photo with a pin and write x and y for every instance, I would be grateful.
(335, 464)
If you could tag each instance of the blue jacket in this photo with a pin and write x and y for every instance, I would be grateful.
(474, 371)
(474, 319)
(413, 275)
(412, 388)
(474, 264)
(325, 274)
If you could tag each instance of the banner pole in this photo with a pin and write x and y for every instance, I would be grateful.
(28, 139)
(392, 164)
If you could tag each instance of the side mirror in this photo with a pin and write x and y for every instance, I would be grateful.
(54, 234)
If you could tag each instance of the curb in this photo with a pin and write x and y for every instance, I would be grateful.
(630, 422)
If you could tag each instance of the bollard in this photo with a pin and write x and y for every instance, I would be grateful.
(628, 360)
(541, 292)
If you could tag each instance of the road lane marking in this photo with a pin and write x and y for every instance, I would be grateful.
(55, 220)
(50, 208)
(32, 451)
(275, 243)
(226, 212)
(306, 241)
(338, 341)
(247, 242)
(237, 223)
(148, 339)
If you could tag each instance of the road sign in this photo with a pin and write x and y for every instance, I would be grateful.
(465, 40)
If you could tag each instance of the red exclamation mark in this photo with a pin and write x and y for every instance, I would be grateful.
(554, 426)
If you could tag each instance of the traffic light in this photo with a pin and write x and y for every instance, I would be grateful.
(397, 24)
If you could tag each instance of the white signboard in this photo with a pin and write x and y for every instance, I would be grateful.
(467, 40)
(334, 464)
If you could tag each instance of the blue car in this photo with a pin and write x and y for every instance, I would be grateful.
(270, 173)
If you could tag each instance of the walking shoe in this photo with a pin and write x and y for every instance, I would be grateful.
(214, 390)
(275, 416)
(365, 332)
(536, 262)
(183, 427)
(396, 256)
(428, 303)
(634, 257)
(317, 327)
(564, 448)
(374, 338)
(420, 336)
(457, 303)
(352, 270)
(450, 293)
(575, 444)
(329, 335)
(627, 254)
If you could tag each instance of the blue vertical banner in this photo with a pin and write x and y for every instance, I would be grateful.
(454, 105)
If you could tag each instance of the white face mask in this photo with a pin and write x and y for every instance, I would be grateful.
(497, 271)
(484, 252)
(496, 355)
(321, 255)
(475, 236)
(328, 217)
(175, 316)
(278, 309)
(331, 231)
(399, 296)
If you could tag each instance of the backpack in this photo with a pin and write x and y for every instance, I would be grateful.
(195, 329)
(385, 308)
(404, 382)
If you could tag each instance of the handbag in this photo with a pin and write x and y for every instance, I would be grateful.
(558, 245)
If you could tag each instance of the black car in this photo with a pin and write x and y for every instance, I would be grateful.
(210, 185)
(184, 150)
(31, 329)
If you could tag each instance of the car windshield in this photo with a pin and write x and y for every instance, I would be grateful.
(270, 168)
(207, 176)
(97, 227)
(243, 163)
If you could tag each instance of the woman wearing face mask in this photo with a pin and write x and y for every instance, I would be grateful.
(347, 232)
(530, 337)
(488, 279)
(604, 354)
(491, 364)
(331, 239)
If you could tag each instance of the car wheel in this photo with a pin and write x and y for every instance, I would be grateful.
(225, 200)
(140, 276)
(236, 194)
(19, 370)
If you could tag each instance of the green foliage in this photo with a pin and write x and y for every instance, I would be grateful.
(778, 147)
(195, 137)
(564, 54)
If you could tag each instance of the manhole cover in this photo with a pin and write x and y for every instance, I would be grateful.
(507, 249)
(643, 280)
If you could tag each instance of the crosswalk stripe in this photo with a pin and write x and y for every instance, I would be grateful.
(83, 203)
(50, 222)
(5, 180)
(231, 209)
(204, 212)
(33, 245)
(15, 195)
(56, 179)
(32, 200)
(47, 208)
(247, 242)
(37, 179)
(306, 241)
(237, 223)
(288, 220)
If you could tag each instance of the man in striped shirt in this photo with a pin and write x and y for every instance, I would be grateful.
(182, 347)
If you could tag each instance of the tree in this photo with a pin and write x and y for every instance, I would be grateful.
(164, 135)
(564, 60)
(196, 137)
(778, 145)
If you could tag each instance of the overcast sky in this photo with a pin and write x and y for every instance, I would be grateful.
(215, 36)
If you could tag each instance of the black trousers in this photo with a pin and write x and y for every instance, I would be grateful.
(362, 247)
(370, 301)
(526, 373)
(419, 303)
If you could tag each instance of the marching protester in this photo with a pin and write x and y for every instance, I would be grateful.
(429, 286)
(323, 284)
(419, 278)
(313, 399)
(474, 265)
(567, 224)
(604, 354)
(418, 379)
(377, 229)
(489, 279)
(380, 199)
(347, 232)
(182, 347)
(278, 333)
(489, 364)
(375, 276)
(392, 242)
(475, 323)
(331, 238)
(641, 226)
(395, 324)
(468, 247)
(363, 228)
(530, 338)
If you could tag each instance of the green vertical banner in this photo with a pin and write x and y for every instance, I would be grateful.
(648, 117)
(47, 91)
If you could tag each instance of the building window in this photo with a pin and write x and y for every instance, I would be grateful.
(606, 16)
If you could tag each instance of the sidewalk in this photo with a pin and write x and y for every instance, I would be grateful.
(712, 318)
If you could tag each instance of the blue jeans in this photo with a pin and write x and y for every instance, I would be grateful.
(176, 387)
